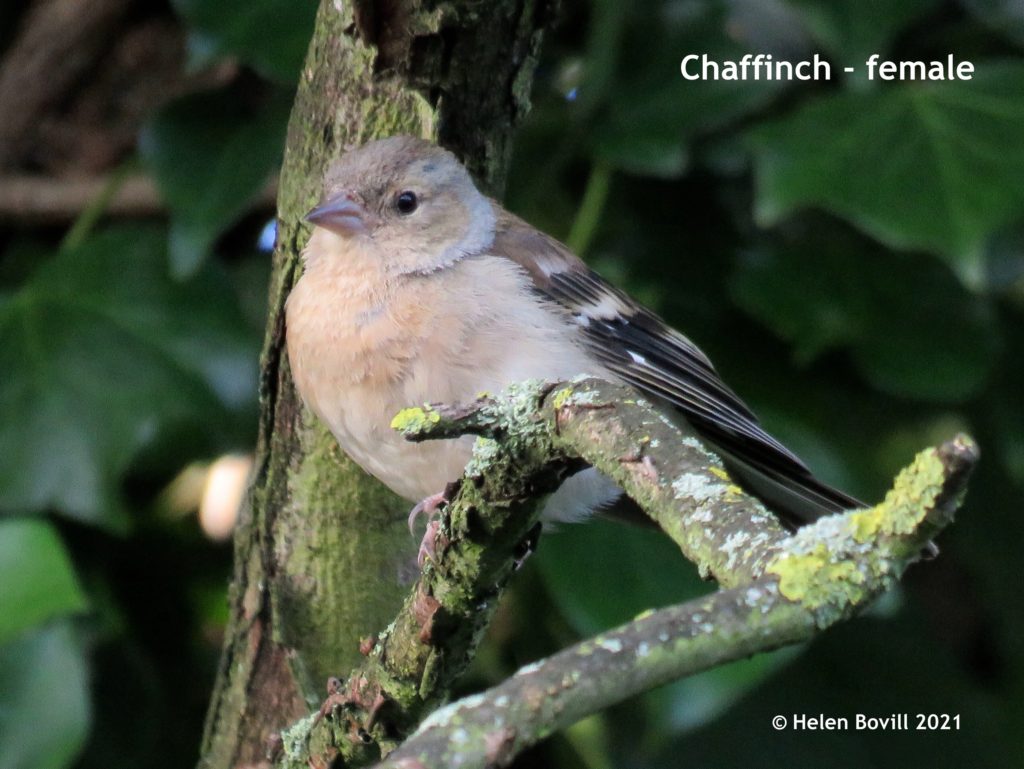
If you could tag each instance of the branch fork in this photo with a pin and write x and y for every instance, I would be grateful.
(777, 588)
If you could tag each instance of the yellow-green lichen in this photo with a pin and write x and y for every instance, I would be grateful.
(720, 473)
(859, 552)
(417, 419)
(561, 398)
(905, 506)
(814, 579)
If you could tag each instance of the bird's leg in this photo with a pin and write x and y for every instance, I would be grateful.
(428, 546)
(430, 506)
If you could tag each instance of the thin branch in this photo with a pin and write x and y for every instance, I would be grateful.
(822, 574)
(534, 435)
(489, 729)
(53, 200)
(678, 482)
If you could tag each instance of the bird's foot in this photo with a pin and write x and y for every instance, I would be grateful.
(427, 506)
(428, 546)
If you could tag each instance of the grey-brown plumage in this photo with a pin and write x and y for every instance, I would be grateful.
(419, 288)
(642, 350)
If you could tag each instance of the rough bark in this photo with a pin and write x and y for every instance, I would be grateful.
(322, 555)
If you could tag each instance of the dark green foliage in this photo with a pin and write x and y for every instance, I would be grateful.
(944, 162)
(37, 574)
(211, 154)
(103, 352)
(850, 254)
(271, 36)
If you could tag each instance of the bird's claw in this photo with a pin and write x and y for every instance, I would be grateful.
(429, 506)
(428, 546)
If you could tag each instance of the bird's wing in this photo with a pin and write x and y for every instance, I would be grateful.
(637, 346)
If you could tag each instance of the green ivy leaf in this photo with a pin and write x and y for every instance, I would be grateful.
(912, 328)
(852, 30)
(44, 699)
(813, 308)
(39, 581)
(932, 166)
(916, 360)
(663, 110)
(100, 350)
(210, 158)
(578, 564)
(270, 36)
(1003, 16)
(652, 111)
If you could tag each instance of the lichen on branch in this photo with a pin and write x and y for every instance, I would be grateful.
(777, 588)
(676, 479)
(487, 529)
(822, 574)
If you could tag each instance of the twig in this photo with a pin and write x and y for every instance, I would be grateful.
(53, 200)
(678, 482)
(487, 530)
(537, 433)
(821, 575)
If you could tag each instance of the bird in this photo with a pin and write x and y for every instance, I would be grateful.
(416, 287)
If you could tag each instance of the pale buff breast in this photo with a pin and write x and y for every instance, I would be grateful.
(362, 347)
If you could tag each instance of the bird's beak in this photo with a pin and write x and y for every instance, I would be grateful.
(342, 214)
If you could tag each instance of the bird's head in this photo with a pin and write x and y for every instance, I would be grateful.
(409, 203)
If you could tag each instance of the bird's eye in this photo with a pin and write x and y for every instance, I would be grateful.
(406, 202)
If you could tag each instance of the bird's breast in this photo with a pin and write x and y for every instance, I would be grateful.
(360, 351)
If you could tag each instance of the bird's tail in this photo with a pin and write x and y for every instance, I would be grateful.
(797, 499)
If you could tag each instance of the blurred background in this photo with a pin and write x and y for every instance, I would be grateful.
(849, 253)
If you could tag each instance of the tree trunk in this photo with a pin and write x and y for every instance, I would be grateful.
(322, 555)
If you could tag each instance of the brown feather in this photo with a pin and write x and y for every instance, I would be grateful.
(637, 347)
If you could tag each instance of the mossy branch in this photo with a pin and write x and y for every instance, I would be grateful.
(777, 588)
